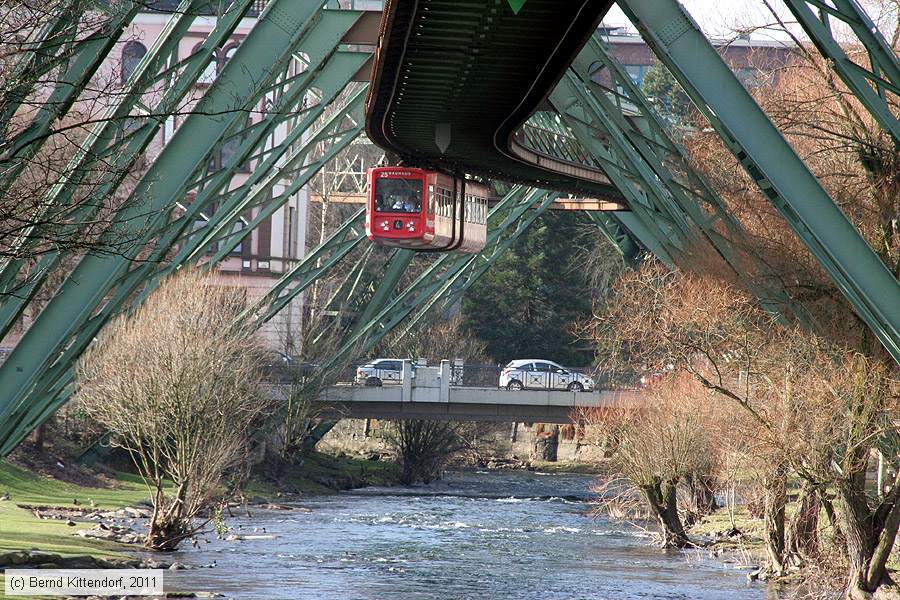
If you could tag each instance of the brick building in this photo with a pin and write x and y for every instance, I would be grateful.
(755, 62)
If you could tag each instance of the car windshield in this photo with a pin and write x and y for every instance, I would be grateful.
(398, 195)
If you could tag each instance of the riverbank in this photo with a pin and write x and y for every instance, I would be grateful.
(48, 521)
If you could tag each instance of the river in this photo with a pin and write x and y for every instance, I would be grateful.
(492, 535)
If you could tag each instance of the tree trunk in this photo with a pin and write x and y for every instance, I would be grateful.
(773, 519)
(169, 525)
(870, 536)
(828, 506)
(803, 528)
(661, 497)
(38, 438)
(703, 499)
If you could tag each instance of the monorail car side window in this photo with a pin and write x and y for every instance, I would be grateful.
(430, 199)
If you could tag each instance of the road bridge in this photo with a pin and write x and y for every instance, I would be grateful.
(431, 393)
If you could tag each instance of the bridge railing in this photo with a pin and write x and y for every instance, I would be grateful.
(465, 375)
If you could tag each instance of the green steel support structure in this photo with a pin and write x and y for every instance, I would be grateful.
(665, 170)
(348, 237)
(857, 271)
(47, 50)
(55, 382)
(263, 54)
(82, 59)
(108, 142)
(871, 84)
(672, 207)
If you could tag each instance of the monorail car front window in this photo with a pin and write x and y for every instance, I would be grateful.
(398, 195)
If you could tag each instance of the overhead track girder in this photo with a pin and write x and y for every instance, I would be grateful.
(773, 165)
(453, 81)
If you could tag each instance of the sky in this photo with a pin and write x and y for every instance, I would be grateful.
(720, 18)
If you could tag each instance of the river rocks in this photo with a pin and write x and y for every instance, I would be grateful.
(506, 464)
(137, 513)
(276, 506)
(238, 537)
(115, 533)
(48, 560)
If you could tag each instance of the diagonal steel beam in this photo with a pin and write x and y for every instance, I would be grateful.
(770, 161)
(350, 235)
(669, 172)
(88, 55)
(869, 84)
(52, 45)
(107, 137)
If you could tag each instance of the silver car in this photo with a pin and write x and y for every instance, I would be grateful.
(540, 374)
(380, 372)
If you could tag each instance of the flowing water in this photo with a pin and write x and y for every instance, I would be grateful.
(497, 535)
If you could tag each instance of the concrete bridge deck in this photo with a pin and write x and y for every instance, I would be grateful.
(464, 403)
(433, 393)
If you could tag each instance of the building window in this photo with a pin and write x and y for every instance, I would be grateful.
(228, 150)
(292, 243)
(132, 53)
(637, 73)
(217, 62)
(236, 229)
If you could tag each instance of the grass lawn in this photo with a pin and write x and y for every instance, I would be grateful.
(26, 487)
(719, 521)
(21, 530)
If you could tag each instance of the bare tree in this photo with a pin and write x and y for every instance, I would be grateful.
(423, 448)
(815, 408)
(660, 444)
(177, 385)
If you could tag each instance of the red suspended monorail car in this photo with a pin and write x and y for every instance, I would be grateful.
(425, 210)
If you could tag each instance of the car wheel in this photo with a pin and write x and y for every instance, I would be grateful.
(514, 386)
(576, 386)
(373, 382)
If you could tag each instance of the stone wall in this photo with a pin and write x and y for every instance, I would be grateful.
(511, 441)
